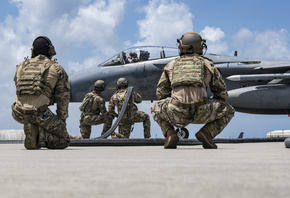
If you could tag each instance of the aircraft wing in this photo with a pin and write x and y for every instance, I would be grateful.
(274, 67)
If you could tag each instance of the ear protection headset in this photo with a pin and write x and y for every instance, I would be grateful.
(51, 50)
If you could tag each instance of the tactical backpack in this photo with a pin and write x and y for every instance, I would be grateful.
(31, 77)
(188, 71)
(87, 103)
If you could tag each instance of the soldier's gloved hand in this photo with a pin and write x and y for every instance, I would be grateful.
(62, 114)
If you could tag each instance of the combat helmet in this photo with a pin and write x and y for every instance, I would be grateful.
(133, 54)
(144, 55)
(191, 43)
(122, 82)
(42, 45)
(100, 85)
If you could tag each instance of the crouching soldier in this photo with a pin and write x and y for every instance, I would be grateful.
(182, 95)
(132, 115)
(94, 112)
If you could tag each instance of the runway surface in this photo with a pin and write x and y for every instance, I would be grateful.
(233, 170)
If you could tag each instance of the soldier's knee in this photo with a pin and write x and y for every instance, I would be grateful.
(17, 115)
(231, 111)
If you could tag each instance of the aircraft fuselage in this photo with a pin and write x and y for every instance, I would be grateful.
(252, 84)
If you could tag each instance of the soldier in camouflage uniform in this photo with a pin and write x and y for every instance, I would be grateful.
(132, 114)
(40, 82)
(183, 98)
(91, 107)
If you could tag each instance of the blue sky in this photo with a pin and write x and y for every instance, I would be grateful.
(86, 32)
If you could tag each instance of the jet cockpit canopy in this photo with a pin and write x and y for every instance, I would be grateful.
(144, 53)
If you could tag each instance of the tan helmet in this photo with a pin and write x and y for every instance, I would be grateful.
(122, 82)
(100, 85)
(191, 43)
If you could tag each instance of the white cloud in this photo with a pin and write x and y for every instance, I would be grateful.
(74, 27)
(241, 37)
(96, 24)
(212, 34)
(213, 37)
(69, 24)
(164, 22)
(86, 64)
(270, 44)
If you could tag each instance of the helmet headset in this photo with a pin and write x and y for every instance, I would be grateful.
(191, 43)
(48, 45)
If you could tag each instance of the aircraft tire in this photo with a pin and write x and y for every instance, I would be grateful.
(183, 133)
(287, 143)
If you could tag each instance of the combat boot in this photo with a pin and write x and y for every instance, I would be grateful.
(75, 137)
(205, 138)
(116, 135)
(171, 139)
(41, 139)
(31, 136)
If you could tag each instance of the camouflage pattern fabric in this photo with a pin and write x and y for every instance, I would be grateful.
(116, 135)
(132, 115)
(43, 130)
(56, 80)
(86, 122)
(216, 84)
(95, 114)
(215, 115)
(188, 71)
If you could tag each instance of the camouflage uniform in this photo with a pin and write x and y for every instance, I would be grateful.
(131, 114)
(92, 116)
(186, 103)
(40, 82)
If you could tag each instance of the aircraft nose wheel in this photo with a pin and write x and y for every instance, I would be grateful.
(182, 133)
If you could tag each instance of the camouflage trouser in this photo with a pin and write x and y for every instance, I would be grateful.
(132, 117)
(215, 115)
(86, 122)
(51, 130)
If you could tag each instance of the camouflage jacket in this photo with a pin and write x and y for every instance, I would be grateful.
(118, 99)
(212, 77)
(55, 78)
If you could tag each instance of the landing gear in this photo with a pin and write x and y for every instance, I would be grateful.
(182, 133)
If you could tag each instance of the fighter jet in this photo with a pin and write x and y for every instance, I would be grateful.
(254, 85)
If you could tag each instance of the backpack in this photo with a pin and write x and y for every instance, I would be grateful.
(87, 103)
(188, 71)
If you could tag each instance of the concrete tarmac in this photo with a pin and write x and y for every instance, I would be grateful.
(233, 170)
